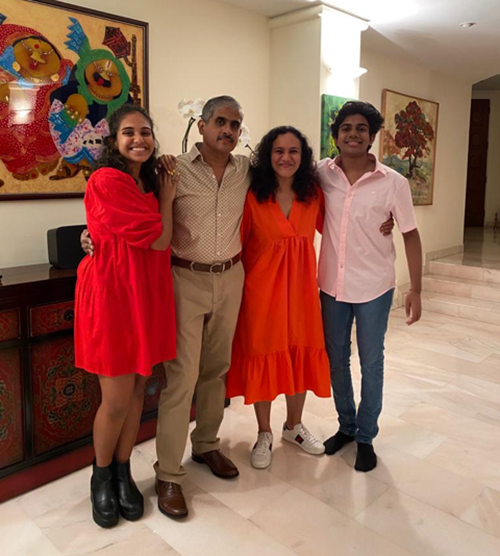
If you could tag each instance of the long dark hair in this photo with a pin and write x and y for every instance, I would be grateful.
(263, 179)
(111, 157)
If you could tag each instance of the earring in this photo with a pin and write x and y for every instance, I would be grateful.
(16, 66)
(54, 77)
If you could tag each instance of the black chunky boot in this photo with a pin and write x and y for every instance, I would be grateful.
(130, 499)
(105, 509)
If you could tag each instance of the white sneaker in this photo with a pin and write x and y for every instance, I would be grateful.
(300, 436)
(261, 453)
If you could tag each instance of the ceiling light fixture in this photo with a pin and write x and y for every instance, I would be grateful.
(467, 24)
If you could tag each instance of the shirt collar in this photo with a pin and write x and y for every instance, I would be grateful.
(195, 153)
(379, 167)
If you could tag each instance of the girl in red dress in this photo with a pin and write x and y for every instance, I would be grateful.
(125, 322)
(279, 345)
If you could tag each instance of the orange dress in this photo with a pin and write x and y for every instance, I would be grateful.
(279, 346)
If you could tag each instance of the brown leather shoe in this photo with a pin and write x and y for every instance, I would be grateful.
(219, 464)
(171, 501)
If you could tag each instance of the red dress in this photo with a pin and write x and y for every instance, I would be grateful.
(124, 305)
(279, 346)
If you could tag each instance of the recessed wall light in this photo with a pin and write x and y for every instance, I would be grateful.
(467, 24)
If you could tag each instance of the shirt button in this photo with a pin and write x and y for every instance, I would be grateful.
(341, 266)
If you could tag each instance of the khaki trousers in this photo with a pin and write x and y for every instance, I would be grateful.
(207, 307)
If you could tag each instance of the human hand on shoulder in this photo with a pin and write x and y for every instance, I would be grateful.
(86, 243)
(168, 162)
(168, 182)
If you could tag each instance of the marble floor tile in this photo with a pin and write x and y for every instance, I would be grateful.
(72, 531)
(429, 483)
(327, 478)
(484, 513)
(424, 530)
(212, 529)
(463, 459)
(20, 536)
(466, 430)
(310, 527)
(143, 542)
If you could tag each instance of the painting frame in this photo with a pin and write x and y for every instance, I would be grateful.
(424, 143)
(137, 73)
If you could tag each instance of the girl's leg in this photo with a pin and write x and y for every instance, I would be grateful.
(108, 424)
(110, 417)
(263, 414)
(130, 499)
(128, 435)
(294, 409)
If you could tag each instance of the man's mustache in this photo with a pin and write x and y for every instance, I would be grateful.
(224, 136)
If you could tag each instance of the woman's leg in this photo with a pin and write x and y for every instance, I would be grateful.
(294, 409)
(261, 452)
(294, 430)
(263, 414)
(110, 417)
(128, 435)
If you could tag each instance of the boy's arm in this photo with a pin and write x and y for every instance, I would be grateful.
(413, 302)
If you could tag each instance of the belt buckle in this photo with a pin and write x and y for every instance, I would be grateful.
(212, 271)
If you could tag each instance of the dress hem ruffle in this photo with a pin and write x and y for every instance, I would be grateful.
(264, 377)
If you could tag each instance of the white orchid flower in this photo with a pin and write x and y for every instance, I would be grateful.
(191, 108)
(244, 139)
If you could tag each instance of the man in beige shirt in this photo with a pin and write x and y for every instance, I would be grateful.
(208, 285)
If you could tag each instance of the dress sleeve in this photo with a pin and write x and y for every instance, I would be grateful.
(113, 199)
(246, 222)
(404, 213)
(321, 212)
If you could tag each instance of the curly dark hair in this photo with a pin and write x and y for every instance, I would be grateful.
(111, 157)
(263, 179)
(353, 107)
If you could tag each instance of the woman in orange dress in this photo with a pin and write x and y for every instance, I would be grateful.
(125, 320)
(278, 346)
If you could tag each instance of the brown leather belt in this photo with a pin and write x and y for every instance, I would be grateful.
(215, 268)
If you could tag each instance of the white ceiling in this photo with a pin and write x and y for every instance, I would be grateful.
(431, 37)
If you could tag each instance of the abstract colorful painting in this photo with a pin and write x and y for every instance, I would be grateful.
(408, 141)
(330, 106)
(63, 71)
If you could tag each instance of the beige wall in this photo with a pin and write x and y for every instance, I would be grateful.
(441, 224)
(492, 202)
(198, 48)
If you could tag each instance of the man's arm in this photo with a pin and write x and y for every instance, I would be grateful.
(413, 302)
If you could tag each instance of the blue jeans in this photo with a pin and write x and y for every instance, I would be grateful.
(371, 325)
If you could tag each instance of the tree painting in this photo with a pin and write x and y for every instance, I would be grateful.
(408, 141)
(413, 134)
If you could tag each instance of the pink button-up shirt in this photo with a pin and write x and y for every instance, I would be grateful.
(356, 262)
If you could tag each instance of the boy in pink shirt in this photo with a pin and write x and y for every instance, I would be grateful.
(356, 270)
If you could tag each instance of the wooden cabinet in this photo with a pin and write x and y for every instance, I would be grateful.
(47, 406)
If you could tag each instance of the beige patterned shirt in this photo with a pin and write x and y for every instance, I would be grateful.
(207, 217)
